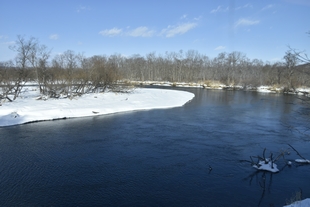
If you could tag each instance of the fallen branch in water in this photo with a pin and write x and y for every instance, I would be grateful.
(303, 160)
(266, 164)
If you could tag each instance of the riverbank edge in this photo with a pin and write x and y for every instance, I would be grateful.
(301, 91)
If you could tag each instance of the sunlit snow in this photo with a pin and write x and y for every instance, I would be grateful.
(28, 109)
(266, 165)
(303, 161)
(303, 203)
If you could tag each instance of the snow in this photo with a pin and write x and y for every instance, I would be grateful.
(303, 89)
(268, 89)
(267, 166)
(303, 161)
(303, 203)
(28, 108)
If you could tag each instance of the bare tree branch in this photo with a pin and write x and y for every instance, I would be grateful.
(297, 152)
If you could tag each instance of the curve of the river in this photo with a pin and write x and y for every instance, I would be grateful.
(159, 157)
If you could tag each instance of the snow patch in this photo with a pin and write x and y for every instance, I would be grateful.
(266, 165)
(302, 203)
(303, 161)
(31, 109)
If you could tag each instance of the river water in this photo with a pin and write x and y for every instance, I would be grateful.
(159, 157)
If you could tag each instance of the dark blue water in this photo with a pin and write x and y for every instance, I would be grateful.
(159, 157)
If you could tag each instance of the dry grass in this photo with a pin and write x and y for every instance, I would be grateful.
(212, 83)
(276, 88)
(297, 196)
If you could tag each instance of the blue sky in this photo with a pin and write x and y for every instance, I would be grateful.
(261, 29)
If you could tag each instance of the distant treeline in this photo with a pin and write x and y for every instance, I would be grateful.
(71, 73)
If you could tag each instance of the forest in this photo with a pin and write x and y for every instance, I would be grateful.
(72, 74)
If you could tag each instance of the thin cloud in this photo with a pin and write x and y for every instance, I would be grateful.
(82, 8)
(54, 36)
(198, 18)
(141, 32)
(244, 6)
(269, 6)
(3, 37)
(219, 9)
(171, 31)
(198, 41)
(245, 22)
(8, 43)
(220, 48)
(183, 16)
(111, 32)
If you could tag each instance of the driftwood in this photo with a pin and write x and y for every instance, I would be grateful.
(263, 163)
(303, 160)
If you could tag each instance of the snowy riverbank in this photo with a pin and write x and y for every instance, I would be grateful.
(303, 203)
(27, 108)
(303, 91)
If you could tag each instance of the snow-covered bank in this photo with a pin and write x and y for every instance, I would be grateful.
(303, 203)
(305, 91)
(28, 109)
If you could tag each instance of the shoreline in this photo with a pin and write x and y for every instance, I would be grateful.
(28, 108)
(301, 91)
(21, 112)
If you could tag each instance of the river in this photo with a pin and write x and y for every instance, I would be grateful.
(159, 157)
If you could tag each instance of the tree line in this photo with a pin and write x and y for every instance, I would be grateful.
(70, 73)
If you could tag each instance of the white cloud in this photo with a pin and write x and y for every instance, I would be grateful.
(171, 31)
(3, 37)
(184, 16)
(198, 41)
(8, 43)
(268, 7)
(111, 32)
(138, 32)
(245, 22)
(220, 48)
(82, 8)
(219, 9)
(54, 36)
(198, 18)
(244, 6)
(141, 32)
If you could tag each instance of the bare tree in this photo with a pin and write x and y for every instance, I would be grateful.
(291, 61)
(301, 55)
(73, 74)
(38, 58)
(7, 76)
(24, 49)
